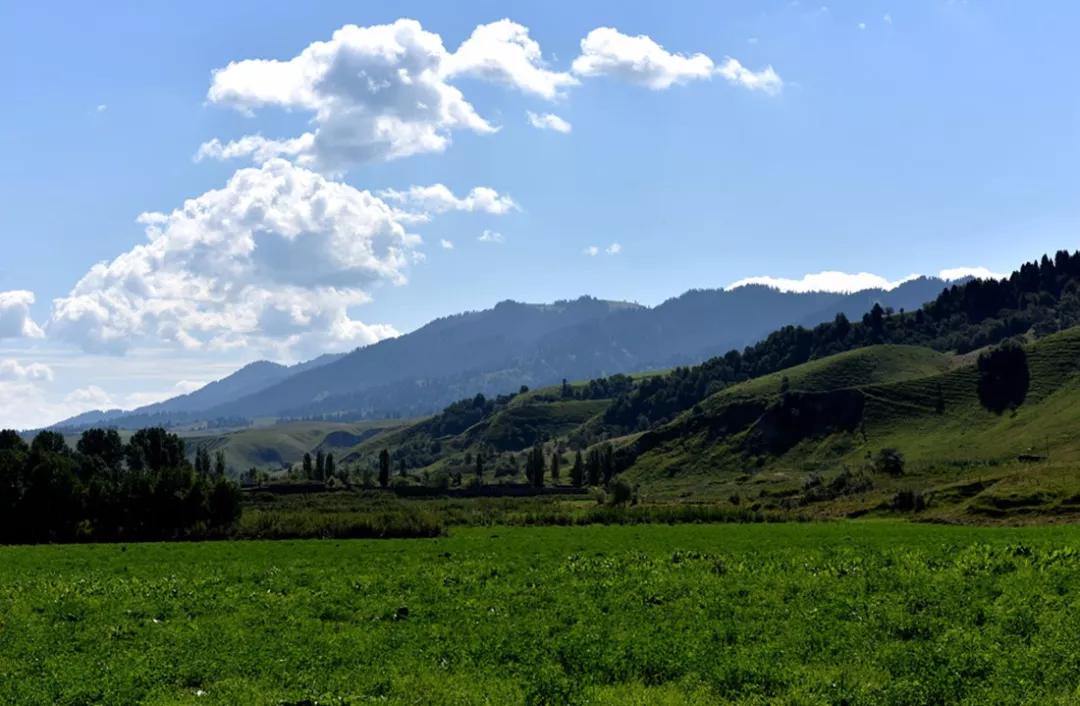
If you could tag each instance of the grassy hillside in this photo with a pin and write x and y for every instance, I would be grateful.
(962, 459)
(281, 445)
(806, 439)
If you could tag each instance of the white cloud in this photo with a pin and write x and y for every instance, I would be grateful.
(548, 121)
(887, 19)
(594, 250)
(605, 51)
(504, 52)
(490, 236)
(832, 281)
(89, 397)
(257, 147)
(13, 370)
(187, 386)
(766, 80)
(274, 260)
(446, 244)
(861, 25)
(15, 321)
(101, 108)
(438, 198)
(952, 273)
(828, 281)
(23, 405)
(376, 93)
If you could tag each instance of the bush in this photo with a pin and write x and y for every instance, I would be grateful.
(889, 461)
(909, 501)
(620, 493)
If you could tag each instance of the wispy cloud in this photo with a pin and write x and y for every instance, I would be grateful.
(548, 121)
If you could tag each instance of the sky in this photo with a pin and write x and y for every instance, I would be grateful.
(188, 187)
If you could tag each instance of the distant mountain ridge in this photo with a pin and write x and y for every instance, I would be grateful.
(512, 344)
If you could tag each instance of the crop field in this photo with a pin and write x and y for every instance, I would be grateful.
(817, 613)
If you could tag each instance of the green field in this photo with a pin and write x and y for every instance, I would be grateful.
(823, 613)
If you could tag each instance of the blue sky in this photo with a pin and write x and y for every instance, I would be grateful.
(893, 138)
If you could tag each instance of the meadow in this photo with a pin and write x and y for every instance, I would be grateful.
(866, 612)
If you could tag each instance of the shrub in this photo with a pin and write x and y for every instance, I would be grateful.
(620, 493)
(889, 461)
(909, 501)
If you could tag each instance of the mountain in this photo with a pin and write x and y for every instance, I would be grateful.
(246, 381)
(500, 349)
(514, 344)
(962, 409)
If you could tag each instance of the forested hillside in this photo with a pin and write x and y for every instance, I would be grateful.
(804, 400)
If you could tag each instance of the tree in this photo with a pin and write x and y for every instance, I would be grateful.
(577, 472)
(1003, 377)
(202, 461)
(49, 442)
(49, 493)
(566, 391)
(154, 449)
(320, 466)
(607, 463)
(534, 466)
(384, 468)
(330, 470)
(593, 466)
(11, 441)
(219, 464)
(555, 466)
(479, 468)
(401, 467)
(309, 472)
(103, 444)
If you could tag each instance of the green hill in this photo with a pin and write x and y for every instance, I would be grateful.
(280, 446)
(959, 457)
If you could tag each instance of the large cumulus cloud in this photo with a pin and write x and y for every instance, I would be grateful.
(15, 319)
(278, 255)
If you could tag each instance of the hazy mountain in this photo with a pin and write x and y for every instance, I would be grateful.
(512, 344)
(246, 381)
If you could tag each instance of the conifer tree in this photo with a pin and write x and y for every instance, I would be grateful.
(577, 472)
(384, 468)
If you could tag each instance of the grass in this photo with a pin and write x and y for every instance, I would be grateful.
(858, 613)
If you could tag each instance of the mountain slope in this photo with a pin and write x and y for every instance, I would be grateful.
(246, 381)
(515, 344)
(960, 458)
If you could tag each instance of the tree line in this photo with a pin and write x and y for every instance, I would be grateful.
(106, 489)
